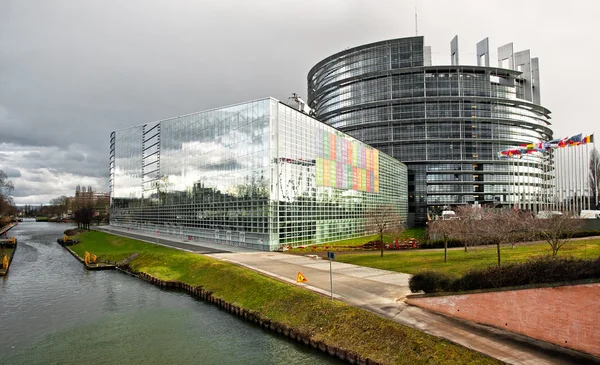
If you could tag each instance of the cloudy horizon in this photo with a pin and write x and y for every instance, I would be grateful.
(71, 71)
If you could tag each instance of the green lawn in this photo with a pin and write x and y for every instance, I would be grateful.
(459, 262)
(333, 322)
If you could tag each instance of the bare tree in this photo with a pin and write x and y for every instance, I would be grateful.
(6, 187)
(494, 226)
(445, 229)
(98, 218)
(558, 230)
(467, 230)
(383, 220)
(60, 205)
(505, 226)
(594, 173)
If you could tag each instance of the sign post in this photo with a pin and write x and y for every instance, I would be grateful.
(331, 256)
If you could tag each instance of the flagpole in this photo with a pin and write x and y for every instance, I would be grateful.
(569, 178)
(559, 168)
(546, 180)
(595, 175)
(563, 179)
(520, 181)
(578, 176)
(573, 180)
(554, 187)
(511, 170)
(514, 182)
(587, 174)
(580, 173)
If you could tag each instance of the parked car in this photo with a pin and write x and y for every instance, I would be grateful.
(590, 214)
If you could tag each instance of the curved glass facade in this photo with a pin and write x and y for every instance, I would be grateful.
(258, 175)
(446, 123)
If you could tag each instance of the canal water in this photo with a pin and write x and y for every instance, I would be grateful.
(53, 311)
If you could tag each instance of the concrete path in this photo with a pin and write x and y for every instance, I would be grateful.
(380, 291)
(383, 292)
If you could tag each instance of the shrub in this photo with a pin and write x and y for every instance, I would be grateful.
(540, 270)
(74, 231)
(585, 234)
(440, 243)
(430, 282)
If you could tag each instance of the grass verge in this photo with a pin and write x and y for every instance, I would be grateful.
(332, 322)
(459, 262)
(5, 251)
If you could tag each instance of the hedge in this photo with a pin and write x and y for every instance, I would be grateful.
(458, 243)
(541, 270)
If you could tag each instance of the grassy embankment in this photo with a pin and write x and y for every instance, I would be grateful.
(417, 233)
(5, 251)
(335, 323)
(459, 262)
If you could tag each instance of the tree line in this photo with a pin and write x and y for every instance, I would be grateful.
(492, 226)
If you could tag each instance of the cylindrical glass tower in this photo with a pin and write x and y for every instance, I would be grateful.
(446, 123)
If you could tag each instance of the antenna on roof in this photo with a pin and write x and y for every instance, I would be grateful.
(416, 23)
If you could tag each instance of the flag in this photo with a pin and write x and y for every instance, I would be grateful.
(589, 139)
(562, 143)
(575, 140)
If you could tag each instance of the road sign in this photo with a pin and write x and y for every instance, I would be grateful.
(301, 278)
(331, 256)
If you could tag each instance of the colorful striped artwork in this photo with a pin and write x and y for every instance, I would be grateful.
(346, 164)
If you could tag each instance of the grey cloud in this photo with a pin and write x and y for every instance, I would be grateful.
(73, 71)
(74, 156)
(35, 155)
(12, 172)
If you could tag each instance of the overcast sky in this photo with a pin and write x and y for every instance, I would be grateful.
(72, 71)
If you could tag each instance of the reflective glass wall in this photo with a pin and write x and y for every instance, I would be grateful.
(250, 175)
(327, 180)
(446, 123)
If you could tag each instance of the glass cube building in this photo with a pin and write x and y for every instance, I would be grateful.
(447, 123)
(258, 175)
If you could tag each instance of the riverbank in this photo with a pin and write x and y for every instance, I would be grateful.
(10, 253)
(332, 324)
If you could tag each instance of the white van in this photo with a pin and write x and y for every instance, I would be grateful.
(547, 214)
(590, 214)
(449, 215)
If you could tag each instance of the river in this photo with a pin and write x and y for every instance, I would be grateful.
(53, 311)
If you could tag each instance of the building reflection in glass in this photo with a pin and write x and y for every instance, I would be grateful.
(259, 175)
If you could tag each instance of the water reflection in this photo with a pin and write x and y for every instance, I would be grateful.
(52, 310)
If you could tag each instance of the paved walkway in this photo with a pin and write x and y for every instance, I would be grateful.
(382, 292)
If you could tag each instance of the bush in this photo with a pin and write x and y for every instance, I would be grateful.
(541, 270)
(440, 243)
(585, 234)
(74, 231)
(430, 282)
